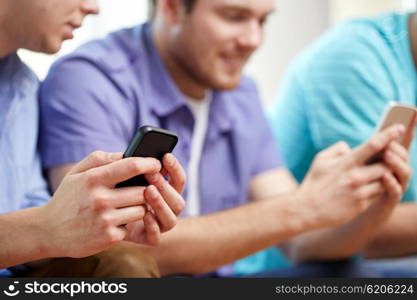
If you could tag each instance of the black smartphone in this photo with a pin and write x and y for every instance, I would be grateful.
(149, 142)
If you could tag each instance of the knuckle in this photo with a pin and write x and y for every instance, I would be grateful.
(91, 179)
(100, 201)
(374, 145)
(320, 155)
(353, 179)
(98, 156)
(343, 147)
(135, 166)
(105, 222)
(111, 236)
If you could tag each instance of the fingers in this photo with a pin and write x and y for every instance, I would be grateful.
(129, 196)
(364, 175)
(392, 187)
(176, 173)
(168, 193)
(153, 233)
(376, 144)
(94, 160)
(126, 215)
(399, 150)
(122, 170)
(338, 149)
(163, 213)
(369, 193)
(399, 167)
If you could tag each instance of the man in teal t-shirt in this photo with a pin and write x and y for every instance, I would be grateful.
(338, 90)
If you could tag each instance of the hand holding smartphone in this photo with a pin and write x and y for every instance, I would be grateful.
(397, 114)
(149, 142)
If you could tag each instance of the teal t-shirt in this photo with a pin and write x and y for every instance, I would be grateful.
(338, 89)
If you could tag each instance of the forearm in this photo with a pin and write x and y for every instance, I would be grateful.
(202, 244)
(22, 237)
(398, 236)
(340, 242)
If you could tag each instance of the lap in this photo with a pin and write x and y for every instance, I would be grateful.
(123, 260)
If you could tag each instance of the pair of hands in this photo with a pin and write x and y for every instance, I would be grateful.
(87, 213)
(340, 186)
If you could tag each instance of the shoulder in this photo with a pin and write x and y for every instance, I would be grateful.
(359, 46)
(112, 53)
(100, 65)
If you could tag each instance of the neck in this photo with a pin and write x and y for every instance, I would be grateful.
(7, 43)
(186, 83)
(412, 29)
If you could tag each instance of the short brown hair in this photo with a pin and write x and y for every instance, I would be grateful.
(189, 4)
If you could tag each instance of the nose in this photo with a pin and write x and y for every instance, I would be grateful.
(89, 7)
(252, 36)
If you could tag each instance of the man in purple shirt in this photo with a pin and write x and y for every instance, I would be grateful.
(183, 72)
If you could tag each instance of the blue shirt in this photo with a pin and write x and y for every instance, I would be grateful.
(339, 87)
(97, 98)
(21, 181)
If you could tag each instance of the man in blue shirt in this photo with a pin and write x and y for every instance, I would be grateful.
(85, 214)
(338, 89)
(183, 72)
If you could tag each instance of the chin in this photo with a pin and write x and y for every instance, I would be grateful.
(229, 83)
(52, 46)
(54, 49)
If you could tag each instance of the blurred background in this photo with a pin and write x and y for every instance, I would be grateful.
(296, 24)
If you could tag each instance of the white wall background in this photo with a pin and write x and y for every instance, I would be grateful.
(296, 24)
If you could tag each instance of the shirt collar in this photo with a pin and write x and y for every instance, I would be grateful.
(165, 97)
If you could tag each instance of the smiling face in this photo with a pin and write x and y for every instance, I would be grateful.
(42, 25)
(214, 41)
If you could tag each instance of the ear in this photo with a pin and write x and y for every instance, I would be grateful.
(172, 10)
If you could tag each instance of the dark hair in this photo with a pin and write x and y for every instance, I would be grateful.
(189, 4)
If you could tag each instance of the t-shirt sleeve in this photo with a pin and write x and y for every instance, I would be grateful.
(82, 111)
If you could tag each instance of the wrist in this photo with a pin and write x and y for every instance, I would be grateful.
(307, 210)
(41, 233)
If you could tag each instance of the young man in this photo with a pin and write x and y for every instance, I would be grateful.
(184, 72)
(349, 76)
(85, 214)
